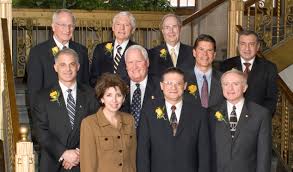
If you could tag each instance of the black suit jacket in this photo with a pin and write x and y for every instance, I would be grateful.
(251, 149)
(103, 61)
(40, 67)
(53, 127)
(216, 93)
(158, 64)
(262, 81)
(152, 91)
(159, 151)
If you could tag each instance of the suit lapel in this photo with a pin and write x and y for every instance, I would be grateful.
(180, 56)
(215, 90)
(244, 116)
(222, 129)
(182, 122)
(164, 123)
(168, 60)
(238, 64)
(193, 81)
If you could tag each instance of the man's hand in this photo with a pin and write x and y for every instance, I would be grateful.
(70, 158)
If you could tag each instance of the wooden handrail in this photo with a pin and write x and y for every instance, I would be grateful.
(248, 3)
(283, 86)
(10, 82)
(202, 12)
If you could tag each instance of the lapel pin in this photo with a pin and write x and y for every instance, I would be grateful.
(246, 116)
(80, 106)
(153, 97)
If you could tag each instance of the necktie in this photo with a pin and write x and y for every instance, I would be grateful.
(136, 104)
(233, 121)
(64, 47)
(173, 57)
(246, 70)
(173, 120)
(117, 58)
(204, 93)
(70, 107)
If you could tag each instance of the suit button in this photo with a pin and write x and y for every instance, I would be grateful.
(106, 139)
(118, 137)
(120, 151)
(120, 164)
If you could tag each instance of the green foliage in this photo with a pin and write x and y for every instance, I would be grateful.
(140, 5)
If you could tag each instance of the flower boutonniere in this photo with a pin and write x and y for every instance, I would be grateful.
(192, 89)
(160, 113)
(163, 53)
(220, 116)
(55, 50)
(109, 48)
(54, 96)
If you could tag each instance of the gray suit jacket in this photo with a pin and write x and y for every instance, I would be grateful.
(250, 150)
(216, 94)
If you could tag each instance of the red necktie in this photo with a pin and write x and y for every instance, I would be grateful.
(247, 70)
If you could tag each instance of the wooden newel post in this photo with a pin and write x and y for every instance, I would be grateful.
(24, 158)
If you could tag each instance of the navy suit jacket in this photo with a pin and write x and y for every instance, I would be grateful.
(159, 151)
(103, 61)
(216, 93)
(40, 67)
(262, 81)
(158, 63)
(251, 149)
(51, 121)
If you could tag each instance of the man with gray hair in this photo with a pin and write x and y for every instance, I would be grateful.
(109, 56)
(240, 130)
(143, 87)
(40, 69)
(58, 112)
(172, 53)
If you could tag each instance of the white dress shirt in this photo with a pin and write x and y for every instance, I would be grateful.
(177, 111)
(238, 106)
(176, 48)
(123, 47)
(65, 93)
(59, 45)
(243, 61)
(142, 86)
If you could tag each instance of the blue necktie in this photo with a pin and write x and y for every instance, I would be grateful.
(136, 104)
(70, 107)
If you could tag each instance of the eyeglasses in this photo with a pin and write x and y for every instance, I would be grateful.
(65, 26)
(172, 83)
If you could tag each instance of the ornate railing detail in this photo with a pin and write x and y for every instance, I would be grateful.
(31, 27)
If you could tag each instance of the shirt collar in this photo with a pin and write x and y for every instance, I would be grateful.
(176, 47)
(123, 45)
(250, 61)
(142, 84)
(238, 106)
(59, 45)
(64, 88)
(199, 73)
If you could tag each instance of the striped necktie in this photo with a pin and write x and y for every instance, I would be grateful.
(233, 121)
(70, 107)
(117, 58)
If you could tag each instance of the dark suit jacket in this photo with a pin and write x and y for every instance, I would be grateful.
(250, 150)
(159, 151)
(158, 64)
(103, 62)
(216, 93)
(153, 91)
(262, 81)
(40, 70)
(53, 127)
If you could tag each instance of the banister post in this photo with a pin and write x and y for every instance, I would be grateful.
(235, 17)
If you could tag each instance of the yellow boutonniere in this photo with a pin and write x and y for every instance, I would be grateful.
(160, 113)
(55, 50)
(163, 53)
(54, 96)
(109, 48)
(192, 89)
(220, 116)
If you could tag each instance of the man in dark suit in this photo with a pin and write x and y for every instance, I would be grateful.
(40, 69)
(173, 133)
(240, 130)
(262, 74)
(172, 53)
(58, 113)
(204, 80)
(109, 56)
(143, 87)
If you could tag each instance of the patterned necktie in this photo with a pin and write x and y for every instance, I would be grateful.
(204, 93)
(117, 58)
(70, 107)
(233, 121)
(173, 120)
(247, 70)
(136, 104)
(173, 57)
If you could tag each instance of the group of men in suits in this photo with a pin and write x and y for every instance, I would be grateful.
(190, 102)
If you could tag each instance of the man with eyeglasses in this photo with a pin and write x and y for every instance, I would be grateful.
(173, 133)
(171, 53)
(40, 69)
